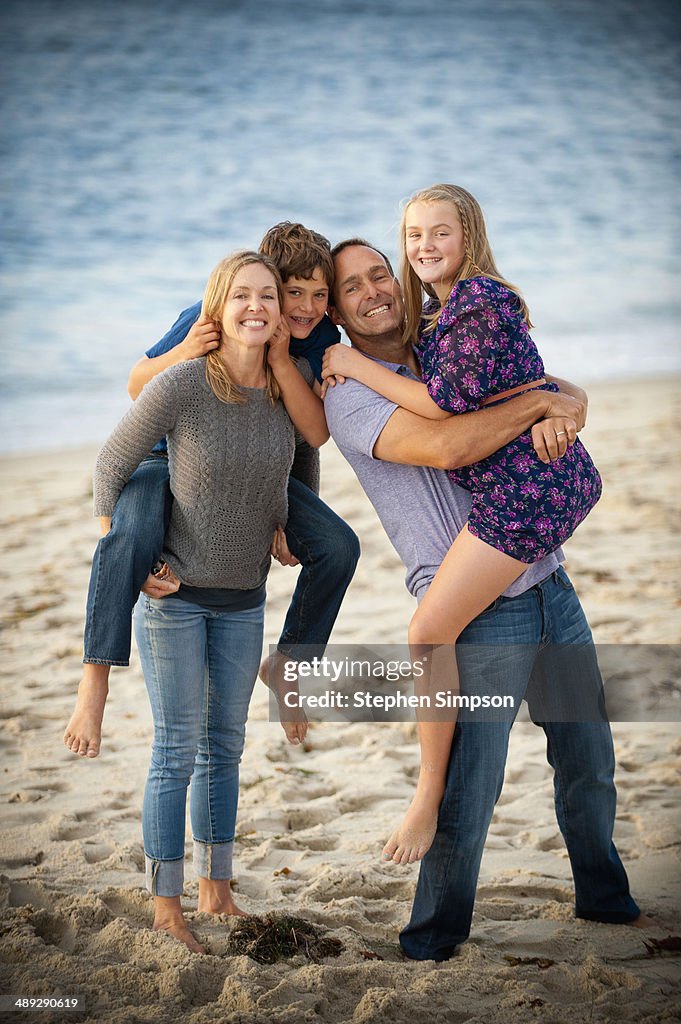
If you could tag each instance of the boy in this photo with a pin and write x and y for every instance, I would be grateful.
(324, 544)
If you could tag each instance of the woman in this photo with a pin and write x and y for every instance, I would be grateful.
(231, 445)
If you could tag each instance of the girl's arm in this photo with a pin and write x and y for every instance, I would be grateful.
(343, 361)
(304, 407)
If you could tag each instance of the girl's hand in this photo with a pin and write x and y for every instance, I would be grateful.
(277, 348)
(553, 436)
(340, 362)
(279, 549)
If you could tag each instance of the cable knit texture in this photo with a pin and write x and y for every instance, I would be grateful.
(229, 467)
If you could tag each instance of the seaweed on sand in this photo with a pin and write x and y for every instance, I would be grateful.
(275, 936)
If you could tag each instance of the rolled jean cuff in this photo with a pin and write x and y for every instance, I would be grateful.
(213, 860)
(164, 877)
(106, 661)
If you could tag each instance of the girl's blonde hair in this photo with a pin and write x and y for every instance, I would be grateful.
(478, 259)
(214, 299)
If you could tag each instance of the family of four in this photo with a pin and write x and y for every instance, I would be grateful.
(468, 451)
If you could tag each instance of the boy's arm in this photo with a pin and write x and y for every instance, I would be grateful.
(190, 336)
(472, 436)
(304, 407)
(343, 361)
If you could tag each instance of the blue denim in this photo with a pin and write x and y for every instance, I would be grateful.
(123, 560)
(199, 668)
(580, 753)
(325, 545)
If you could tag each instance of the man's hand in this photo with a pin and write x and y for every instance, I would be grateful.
(553, 436)
(163, 583)
(278, 345)
(279, 549)
(202, 337)
(561, 404)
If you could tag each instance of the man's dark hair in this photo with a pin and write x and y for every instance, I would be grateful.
(346, 244)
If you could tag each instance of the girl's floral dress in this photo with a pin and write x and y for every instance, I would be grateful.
(481, 347)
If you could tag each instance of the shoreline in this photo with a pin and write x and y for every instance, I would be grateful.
(312, 821)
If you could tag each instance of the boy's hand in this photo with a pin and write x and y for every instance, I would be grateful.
(279, 549)
(277, 348)
(553, 436)
(202, 337)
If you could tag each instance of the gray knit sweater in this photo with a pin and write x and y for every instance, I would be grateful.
(229, 467)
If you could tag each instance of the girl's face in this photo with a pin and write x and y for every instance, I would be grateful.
(434, 241)
(251, 312)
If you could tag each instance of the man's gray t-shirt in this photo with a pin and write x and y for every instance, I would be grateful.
(420, 508)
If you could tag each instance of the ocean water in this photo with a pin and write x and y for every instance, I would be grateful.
(143, 141)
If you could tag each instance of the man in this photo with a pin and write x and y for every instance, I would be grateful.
(398, 458)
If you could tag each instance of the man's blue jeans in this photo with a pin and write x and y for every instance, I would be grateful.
(324, 544)
(199, 667)
(580, 753)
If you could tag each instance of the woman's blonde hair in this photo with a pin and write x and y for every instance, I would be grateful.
(214, 299)
(478, 259)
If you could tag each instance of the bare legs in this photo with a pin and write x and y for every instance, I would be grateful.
(84, 732)
(472, 575)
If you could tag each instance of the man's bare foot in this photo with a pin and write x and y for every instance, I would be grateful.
(84, 732)
(180, 931)
(293, 719)
(414, 837)
(643, 921)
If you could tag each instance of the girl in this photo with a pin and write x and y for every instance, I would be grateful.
(231, 446)
(475, 349)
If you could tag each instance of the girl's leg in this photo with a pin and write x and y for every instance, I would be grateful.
(121, 563)
(171, 637)
(234, 649)
(472, 576)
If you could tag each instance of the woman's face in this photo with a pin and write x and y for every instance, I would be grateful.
(251, 312)
(434, 241)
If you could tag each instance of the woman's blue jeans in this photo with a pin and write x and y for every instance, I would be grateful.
(526, 630)
(324, 544)
(199, 667)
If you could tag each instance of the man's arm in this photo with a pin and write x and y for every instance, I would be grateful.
(190, 336)
(470, 437)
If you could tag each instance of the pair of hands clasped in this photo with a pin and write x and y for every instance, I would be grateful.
(565, 414)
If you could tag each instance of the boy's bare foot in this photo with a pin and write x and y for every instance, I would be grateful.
(83, 734)
(293, 719)
(643, 921)
(180, 931)
(414, 837)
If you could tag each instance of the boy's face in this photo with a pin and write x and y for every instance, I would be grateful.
(305, 302)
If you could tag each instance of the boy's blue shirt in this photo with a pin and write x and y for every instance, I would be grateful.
(311, 348)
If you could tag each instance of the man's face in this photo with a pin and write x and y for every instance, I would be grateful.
(305, 302)
(368, 300)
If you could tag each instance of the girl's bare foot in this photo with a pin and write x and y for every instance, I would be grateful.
(414, 836)
(215, 897)
(293, 719)
(84, 732)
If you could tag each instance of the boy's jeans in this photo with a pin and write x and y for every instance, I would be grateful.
(581, 755)
(325, 545)
(199, 668)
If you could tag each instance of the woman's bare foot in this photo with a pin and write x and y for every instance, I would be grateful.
(414, 836)
(293, 719)
(180, 931)
(215, 897)
(84, 732)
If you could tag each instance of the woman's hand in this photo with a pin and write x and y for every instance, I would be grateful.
(553, 436)
(278, 345)
(202, 337)
(279, 549)
(162, 583)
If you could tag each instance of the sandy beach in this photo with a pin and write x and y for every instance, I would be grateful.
(312, 821)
